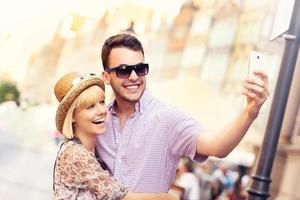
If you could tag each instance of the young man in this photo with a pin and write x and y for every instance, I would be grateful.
(145, 138)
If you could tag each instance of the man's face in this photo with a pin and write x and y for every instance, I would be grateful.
(126, 89)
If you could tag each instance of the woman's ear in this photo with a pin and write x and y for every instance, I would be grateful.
(105, 77)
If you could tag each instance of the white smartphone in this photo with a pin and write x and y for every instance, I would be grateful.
(257, 61)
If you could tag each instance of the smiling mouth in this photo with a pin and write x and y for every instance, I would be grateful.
(100, 121)
(132, 87)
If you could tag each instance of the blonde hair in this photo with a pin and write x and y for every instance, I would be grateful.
(88, 97)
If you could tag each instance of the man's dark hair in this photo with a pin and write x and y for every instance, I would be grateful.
(119, 40)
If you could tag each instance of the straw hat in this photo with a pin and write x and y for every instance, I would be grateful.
(68, 88)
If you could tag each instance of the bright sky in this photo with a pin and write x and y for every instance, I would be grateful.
(27, 24)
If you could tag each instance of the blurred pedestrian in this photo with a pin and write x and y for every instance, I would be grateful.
(57, 137)
(188, 180)
(217, 189)
(79, 173)
(223, 174)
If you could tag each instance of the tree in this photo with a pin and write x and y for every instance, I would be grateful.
(9, 92)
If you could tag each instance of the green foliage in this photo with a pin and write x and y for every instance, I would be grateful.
(9, 92)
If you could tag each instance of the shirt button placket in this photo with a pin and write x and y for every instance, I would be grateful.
(118, 135)
(123, 141)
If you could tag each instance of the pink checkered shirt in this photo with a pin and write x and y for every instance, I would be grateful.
(145, 154)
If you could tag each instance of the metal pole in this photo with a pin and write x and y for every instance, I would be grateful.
(259, 189)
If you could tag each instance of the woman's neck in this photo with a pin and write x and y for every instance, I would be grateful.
(88, 141)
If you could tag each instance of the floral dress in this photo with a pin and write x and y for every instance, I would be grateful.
(78, 175)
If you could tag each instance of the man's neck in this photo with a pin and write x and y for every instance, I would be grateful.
(124, 109)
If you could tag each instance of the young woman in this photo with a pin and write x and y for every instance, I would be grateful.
(78, 172)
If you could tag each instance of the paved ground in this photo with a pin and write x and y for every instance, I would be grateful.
(27, 154)
(25, 173)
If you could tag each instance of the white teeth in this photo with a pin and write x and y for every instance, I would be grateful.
(99, 120)
(132, 87)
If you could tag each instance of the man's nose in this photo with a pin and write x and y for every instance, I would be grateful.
(133, 76)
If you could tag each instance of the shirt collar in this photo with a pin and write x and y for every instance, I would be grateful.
(140, 106)
(145, 100)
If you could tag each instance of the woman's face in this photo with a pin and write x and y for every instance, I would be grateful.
(90, 119)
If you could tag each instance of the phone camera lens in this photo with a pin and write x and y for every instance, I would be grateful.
(257, 57)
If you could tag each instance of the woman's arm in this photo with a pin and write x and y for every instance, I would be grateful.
(149, 196)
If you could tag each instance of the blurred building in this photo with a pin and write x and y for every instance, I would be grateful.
(209, 40)
(41, 69)
(177, 41)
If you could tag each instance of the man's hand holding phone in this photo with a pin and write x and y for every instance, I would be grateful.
(256, 85)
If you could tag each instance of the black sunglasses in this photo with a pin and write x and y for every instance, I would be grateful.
(124, 71)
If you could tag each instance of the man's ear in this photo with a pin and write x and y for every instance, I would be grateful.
(105, 77)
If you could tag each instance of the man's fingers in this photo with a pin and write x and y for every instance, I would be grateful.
(256, 88)
(264, 77)
(259, 100)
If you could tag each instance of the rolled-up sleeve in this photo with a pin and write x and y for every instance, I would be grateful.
(184, 133)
